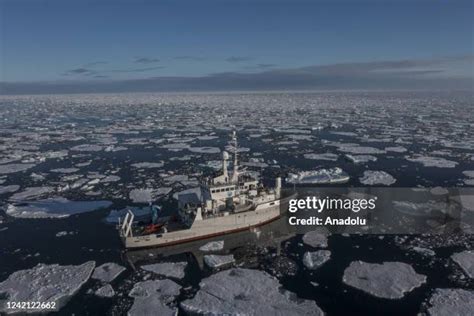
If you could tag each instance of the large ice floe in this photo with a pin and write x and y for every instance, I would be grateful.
(154, 297)
(174, 270)
(332, 175)
(465, 260)
(57, 207)
(386, 280)
(437, 162)
(107, 272)
(246, 292)
(31, 193)
(314, 259)
(217, 261)
(373, 177)
(360, 158)
(451, 302)
(45, 283)
(8, 189)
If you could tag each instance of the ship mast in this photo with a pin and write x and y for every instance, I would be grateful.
(235, 173)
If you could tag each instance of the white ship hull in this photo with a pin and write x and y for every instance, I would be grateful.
(211, 227)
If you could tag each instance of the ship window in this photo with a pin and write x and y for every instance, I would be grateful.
(227, 189)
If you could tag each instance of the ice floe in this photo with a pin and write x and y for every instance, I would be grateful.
(148, 165)
(437, 162)
(174, 270)
(451, 302)
(314, 259)
(321, 176)
(246, 292)
(204, 150)
(315, 239)
(107, 272)
(386, 280)
(9, 188)
(218, 261)
(45, 283)
(57, 207)
(31, 193)
(465, 260)
(105, 291)
(15, 167)
(154, 297)
(372, 177)
(360, 158)
(324, 156)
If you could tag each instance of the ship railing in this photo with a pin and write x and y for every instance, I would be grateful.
(126, 229)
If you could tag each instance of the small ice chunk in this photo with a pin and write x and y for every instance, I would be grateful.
(9, 189)
(468, 173)
(447, 302)
(148, 165)
(324, 156)
(387, 280)
(246, 292)
(204, 150)
(361, 158)
(396, 149)
(107, 272)
(174, 270)
(216, 261)
(58, 207)
(65, 170)
(213, 246)
(315, 239)
(154, 297)
(424, 251)
(465, 260)
(315, 259)
(45, 283)
(372, 177)
(15, 167)
(105, 291)
(332, 175)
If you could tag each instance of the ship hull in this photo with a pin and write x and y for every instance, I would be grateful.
(212, 227)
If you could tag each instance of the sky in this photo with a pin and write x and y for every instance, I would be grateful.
(74, 46)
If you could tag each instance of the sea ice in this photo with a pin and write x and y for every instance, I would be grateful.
(451, 302)
(107, 272)
(9, 189)
(217, 261)
(246, 292)
(204, 150)
(324, 156)
(387, 280)
(315, 239)
(361, 150)
(87, 148)
(174, 270)
(433, 161)
(148, 165)
(372, 177)
(57, 207)
(213, 246)
(360, 158)
(332, 175)
(396, 149)
(65, 170)
(154, 297)
(45, 283)
(105, 291)
(465, 260)
(31, 193)
(315, 259)
(15, 167)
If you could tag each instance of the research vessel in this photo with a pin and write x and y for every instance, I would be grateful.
(231, 202)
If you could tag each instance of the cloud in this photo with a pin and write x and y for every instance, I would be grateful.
(238, 59)
(260, 66)
(79, 71)
(190, 58)
(136, 69)
(145, 60)
(94, 63)
(431, 73)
